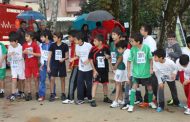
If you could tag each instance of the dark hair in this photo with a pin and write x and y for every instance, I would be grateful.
(147, 28)
(171, 35)
(13, 36)
(22, 22)
(98, 24)
(44, 34)
(84, 26)
(137, 37)
(118, 31)
(79, 36)
(184, 59)
(99, 37)
(30, 33)
(160, 53)
(58, 35)
(121, 44)
(188, 40)
(72, 33)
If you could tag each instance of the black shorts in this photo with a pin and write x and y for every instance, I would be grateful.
(58, 71)
(103, 78)
(142, 81)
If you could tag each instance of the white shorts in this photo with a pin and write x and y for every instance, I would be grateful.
(121, 75)
(20, 74)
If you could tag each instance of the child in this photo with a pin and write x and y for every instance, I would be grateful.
(44, 49)
(186, 50)
(119, 67)
(31, 53)
(98, 57)
(183, 66)
(121, 47)
(3, 53)
(16, 58)
(141, 59)
(165, 70)
(85, 69)
(58, 54)
(74, 67)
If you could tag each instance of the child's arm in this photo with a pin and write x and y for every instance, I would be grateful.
(119, 60)
(151, 66)
(4, 53)
(95, 73)
(129, 69)
(49, 59)
(34, 54)
(66, 57)
(2, 59)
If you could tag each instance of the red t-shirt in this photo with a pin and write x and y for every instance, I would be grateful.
(99, 31)
(30, 60)
(72, 55)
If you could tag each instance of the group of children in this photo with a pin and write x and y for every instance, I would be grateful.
(133, 64)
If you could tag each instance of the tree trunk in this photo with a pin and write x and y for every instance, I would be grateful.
(42, 5)
(115, 8)
(6, 1)
(54, 13)
(134, 18)
(169, 21)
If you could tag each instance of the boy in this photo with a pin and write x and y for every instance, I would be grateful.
(98, 57)
(3, 53)
(119, 67)
(31, 53)
(44, 49)
(121, 47)
(183, 66)
(85, 69)
(58, 54)
(17, 63)
(187, 49)
(74, 67)
(141, 59)
(165, 70)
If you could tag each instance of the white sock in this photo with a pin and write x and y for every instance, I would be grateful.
(2, 91)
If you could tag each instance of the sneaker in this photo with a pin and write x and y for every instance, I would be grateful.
(125, 107)
(67, 101)
(107, 100)
(143, 105)
(137, 102)
(22, 95)
(63, 97)
(37, 95)
(79, 102)
(114, 104)
(121, 102)
(181, 105)
(152, 105)
(12, 97)
(52, 98)
(28, 97)
(86, 100)
(93, 103)
(185, 107)
(170, 102)
(130, 109)
(2, 95)
(159, 109)
(40, 99)
(187, 112)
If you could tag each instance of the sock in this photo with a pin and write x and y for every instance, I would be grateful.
(132, 97)
(2, 91)
(105, 96)
(150, 96)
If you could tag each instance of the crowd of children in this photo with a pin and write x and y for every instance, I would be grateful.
(134, 63)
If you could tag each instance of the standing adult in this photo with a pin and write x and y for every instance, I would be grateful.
(86, 33)
(21, 31)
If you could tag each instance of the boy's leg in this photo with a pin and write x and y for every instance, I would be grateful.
(161, 100)
(188, 98)
(118, 90)
(133, 92)
(62, 84)
(94, 88)
(80, 85)
(88, 79)
(52, 83)
(173, 90)
(42, 85)
(127, 88)
(54, 89)
(2, 85)
(14, 85)
(72, 83)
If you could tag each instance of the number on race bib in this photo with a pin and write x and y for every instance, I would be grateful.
(113, 58)
(141, 57)
(58, 55)
(101, 63)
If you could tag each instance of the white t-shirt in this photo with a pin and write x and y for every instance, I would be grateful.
(82, 52)
(16, 60)
(150, 42)
(186, 51)
(185, 69)
(126, 54)
(164, 70)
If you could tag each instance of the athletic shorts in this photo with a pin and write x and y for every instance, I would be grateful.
(103, 78)
(142, 81)
(2, 73)
(31, 71)
(121, 76)
(58, 71)
(20, 74)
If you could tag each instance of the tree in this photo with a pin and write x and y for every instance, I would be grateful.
(42, 4)
(55, 4)
(135, 16)
(6, 1)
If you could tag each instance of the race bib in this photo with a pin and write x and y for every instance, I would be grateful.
(58, 55)
(165, 78)
(15, 63)
(101, 63)
(45, 55)
(31, 50)
(141, 57)
(113, 58)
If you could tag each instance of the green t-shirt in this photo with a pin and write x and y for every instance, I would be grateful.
(140, 59)
(115, 55)
(3, 51)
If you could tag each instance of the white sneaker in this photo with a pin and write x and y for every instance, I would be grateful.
(187, 112)
(130, 109)
(125, 107)
(152, 105)
(114, 104)
(185, 107)
(67, 101)
(121, 102)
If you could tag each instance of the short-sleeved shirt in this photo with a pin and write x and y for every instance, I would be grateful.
(31, 60)
(58, 53)
(98, 57)
(115, 55)
(140, 59)
(3, 51)
(44, 49)
(149, 41)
